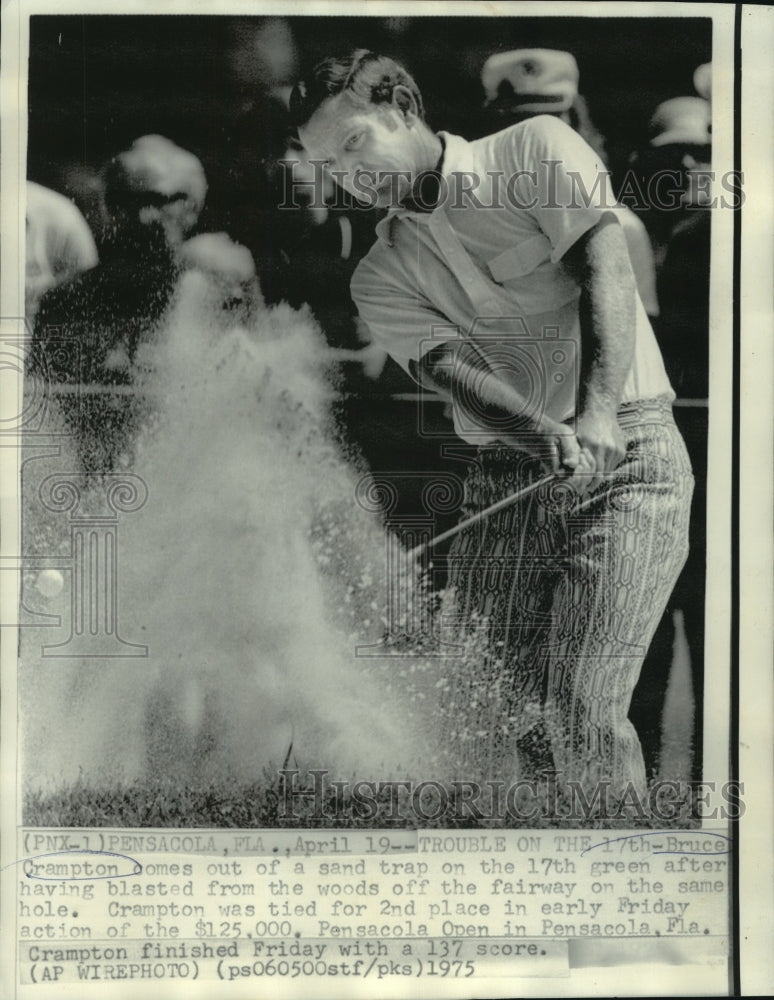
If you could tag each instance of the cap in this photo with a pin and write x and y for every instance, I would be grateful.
(531, 80)
(156, 164)
(681, 119)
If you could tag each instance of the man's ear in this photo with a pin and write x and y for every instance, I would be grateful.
(404, 101)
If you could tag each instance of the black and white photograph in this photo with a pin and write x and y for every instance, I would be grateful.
(374, 491)
(375, 453)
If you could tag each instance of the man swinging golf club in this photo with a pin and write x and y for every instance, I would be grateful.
(501, 278)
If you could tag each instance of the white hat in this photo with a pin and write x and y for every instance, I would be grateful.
(681, 120)
(531, 80)
(155, 163)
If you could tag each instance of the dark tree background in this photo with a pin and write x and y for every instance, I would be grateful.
(97, 82)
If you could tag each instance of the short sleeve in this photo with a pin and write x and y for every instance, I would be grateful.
(399, 320)
(558, 179)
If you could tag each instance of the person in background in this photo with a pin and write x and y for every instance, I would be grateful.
(680, 130)
(260, 66)
(526, 82)
(682, 126)
(100, 327)
(679, 135)
(332, 238)
(305, 243)
(59, 245)
(153, 193)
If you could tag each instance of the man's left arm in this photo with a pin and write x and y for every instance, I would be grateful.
(599, 262)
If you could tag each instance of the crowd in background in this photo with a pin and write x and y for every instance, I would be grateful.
(246, 152)
(249, 162)
(109, 233)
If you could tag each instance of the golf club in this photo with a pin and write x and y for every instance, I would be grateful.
(487, 512)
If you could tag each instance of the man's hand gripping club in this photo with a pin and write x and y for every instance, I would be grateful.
(458, 371)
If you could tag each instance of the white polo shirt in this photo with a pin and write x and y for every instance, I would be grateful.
(486, 266)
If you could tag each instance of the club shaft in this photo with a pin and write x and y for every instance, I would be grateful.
(487, 512)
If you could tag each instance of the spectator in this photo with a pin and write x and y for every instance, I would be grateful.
(260, 65)
(528, 82)
(678, 128)
(680, 142)
(332, 238)
(59, 245)
(682, 125)
(154, 193)
(100, 327)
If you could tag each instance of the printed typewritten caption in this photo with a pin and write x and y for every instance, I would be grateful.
(101, 906)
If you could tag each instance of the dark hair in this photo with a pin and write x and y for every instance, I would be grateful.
(367, 77)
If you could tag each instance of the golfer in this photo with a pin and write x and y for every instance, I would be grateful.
(501, 278)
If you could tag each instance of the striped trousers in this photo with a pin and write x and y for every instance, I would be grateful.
(564, 594)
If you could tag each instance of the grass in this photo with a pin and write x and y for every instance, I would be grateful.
(469, 692)
(264, 805)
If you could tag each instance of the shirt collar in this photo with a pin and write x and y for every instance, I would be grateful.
(456, 158)
(427, 187)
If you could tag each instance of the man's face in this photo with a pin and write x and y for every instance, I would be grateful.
(373, 152)
(698, 178)
(143, 212)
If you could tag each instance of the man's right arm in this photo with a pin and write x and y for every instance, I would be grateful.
(407, 328)
(458, 371)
